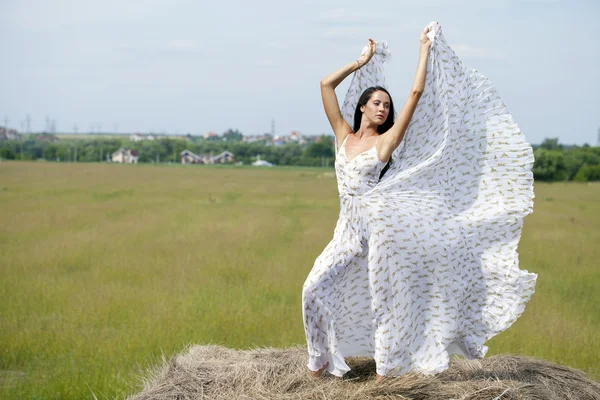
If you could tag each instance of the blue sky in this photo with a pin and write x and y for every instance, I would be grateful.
(183, 66)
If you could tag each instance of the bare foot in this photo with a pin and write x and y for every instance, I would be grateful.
(317, 373)
(379, 378)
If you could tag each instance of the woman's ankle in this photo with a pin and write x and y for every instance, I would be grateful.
(319, 372)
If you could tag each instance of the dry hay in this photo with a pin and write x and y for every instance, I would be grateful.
(214, 372)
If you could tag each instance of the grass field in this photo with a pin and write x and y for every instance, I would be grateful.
(106, 267)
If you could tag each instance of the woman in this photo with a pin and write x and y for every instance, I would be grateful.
(419, 268)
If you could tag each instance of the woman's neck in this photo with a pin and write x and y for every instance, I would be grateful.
(366, 131)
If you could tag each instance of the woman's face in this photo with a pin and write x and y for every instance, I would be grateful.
(377, 108)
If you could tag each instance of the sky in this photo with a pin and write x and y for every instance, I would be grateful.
(194, 66)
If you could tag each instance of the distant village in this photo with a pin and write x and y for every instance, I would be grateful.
(554, 161)
(131, 156)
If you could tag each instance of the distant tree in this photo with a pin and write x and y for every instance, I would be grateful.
(7, 153)
(323, 148)
(577, 157)
(551, 144)
(50, 152)
(549, 165)
(588, 173)
(233, 135)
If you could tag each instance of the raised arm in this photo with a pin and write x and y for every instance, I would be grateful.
(330, 102)
(393, 137)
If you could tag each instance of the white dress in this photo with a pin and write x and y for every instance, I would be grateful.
(423, 263)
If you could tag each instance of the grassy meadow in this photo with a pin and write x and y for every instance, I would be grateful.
(105, 268)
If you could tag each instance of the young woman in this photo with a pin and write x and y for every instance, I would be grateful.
(407, 278)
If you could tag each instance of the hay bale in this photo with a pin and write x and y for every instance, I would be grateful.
(215, 372)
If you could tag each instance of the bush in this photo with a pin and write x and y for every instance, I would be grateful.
(588, 173)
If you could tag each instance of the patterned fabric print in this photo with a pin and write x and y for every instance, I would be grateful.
(423, 264)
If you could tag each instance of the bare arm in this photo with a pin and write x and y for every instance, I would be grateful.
(393, 137)
(330, 102)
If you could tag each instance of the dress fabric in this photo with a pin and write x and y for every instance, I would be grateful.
(423, 262)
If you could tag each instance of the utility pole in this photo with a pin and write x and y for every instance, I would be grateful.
(28, 124)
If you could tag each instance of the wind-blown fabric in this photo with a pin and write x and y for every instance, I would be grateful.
(423, 262)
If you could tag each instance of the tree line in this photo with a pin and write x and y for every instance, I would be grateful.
(319, 152)
(553, 161)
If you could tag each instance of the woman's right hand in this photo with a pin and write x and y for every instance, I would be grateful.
(368, 54)
(424, 39)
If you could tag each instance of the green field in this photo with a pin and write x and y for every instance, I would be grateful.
(107, 267)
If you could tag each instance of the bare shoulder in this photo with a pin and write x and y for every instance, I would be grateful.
(341, 136)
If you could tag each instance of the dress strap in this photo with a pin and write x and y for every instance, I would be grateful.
(343, 143)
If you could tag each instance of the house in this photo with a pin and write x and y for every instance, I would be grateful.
(188, 157)
(138, 137)
(296, 137)
(125, 156)
(9, 134)
(46, 137)
(223, 158)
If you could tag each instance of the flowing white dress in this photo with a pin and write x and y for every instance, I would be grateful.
(423, 263)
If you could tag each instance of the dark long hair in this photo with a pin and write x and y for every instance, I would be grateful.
(389, 122)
